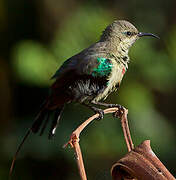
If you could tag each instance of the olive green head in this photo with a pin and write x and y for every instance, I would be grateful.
(123, 32)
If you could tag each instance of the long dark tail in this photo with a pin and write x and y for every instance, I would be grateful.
(42, 118)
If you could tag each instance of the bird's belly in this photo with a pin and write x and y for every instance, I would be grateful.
(114, 79)
(86, 88)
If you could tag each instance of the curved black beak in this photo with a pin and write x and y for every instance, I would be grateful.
(140, 34)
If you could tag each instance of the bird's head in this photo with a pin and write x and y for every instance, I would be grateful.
(124, 33)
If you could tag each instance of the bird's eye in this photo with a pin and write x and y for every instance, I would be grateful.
(128, 33)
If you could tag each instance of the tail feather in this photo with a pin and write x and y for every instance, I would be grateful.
(38, 121)
(55, 121)
(43, 118)
(45, 123)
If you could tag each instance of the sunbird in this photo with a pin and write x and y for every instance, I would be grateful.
(89, 76)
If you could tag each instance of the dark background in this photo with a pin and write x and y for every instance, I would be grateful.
(36, 37)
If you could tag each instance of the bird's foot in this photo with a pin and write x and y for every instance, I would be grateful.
(119, 112)
(100, 112)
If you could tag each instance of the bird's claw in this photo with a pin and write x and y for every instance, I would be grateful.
(101, 114)
(119, 113)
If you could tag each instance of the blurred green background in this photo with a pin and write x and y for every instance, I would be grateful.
(37, 37)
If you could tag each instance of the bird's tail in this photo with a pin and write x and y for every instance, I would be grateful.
(42, 119)
(40, 122)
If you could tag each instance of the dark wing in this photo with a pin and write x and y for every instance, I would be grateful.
(68, 66)
(91, 61)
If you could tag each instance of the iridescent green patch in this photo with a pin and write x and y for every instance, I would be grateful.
(104, 68)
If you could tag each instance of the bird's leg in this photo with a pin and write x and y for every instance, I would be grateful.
(116, 114)
(107, 105)
(96, 110)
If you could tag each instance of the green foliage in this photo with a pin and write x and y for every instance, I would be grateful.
(144, 117)
(154, 66)
(33, 64)
(80, 30)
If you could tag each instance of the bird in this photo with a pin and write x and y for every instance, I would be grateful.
(89, 76)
